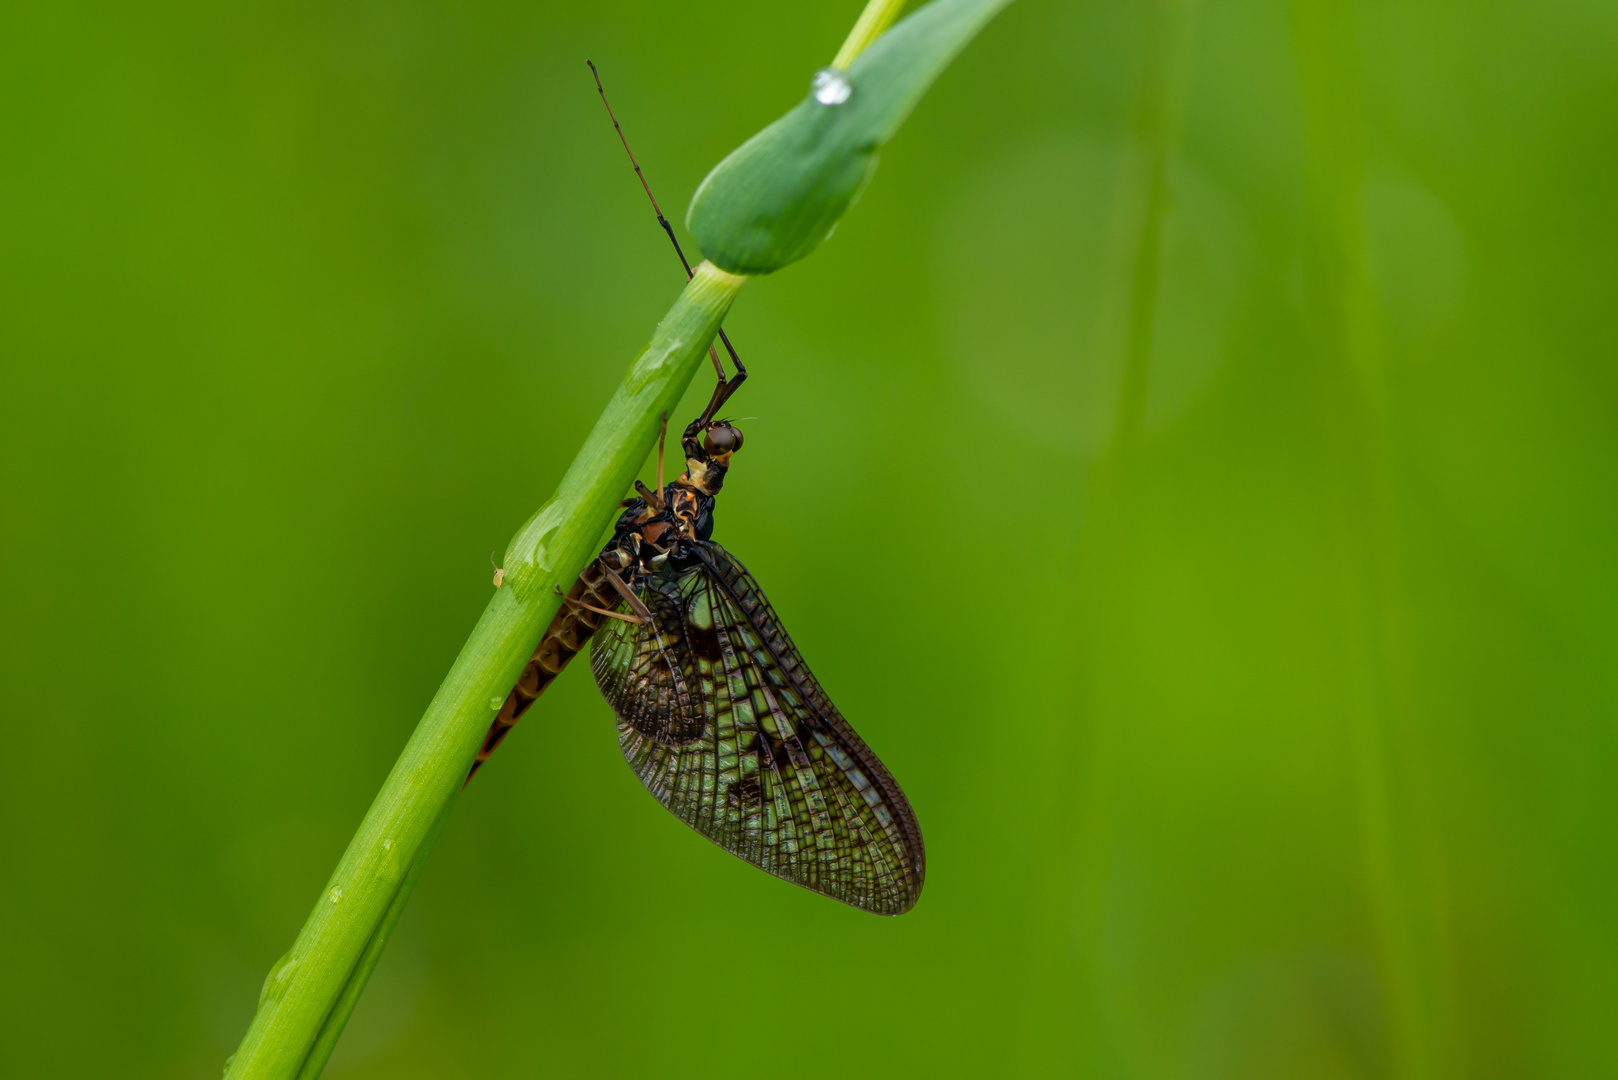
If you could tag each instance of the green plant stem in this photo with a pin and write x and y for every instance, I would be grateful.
(877, 17)
(300, 1004)
(337, 1019)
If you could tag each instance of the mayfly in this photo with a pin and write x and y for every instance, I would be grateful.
(717, 712)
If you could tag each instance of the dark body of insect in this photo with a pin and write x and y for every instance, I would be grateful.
(718, 714)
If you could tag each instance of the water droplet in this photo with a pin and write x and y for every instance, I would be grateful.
(336, 893)
(831, 87)
(387, 845)
(496, 702)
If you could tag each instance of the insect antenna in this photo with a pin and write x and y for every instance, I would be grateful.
(725, 388)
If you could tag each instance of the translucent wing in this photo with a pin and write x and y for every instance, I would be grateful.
(724, 723)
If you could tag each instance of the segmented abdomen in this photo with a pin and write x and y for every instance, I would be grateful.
(567, 635)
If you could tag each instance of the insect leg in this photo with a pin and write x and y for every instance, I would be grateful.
(663, 437)
(718, 366)
(654, 499)
(629, 595)
(580, 605)
(721, 394)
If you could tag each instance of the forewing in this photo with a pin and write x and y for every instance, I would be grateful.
(774, 774)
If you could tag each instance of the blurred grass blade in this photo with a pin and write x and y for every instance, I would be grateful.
(778, 195)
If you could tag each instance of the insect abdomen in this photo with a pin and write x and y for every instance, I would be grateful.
(569, 632)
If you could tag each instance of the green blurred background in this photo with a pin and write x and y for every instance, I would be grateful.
(1192, 466)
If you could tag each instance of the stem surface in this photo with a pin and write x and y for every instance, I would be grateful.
(877, 17)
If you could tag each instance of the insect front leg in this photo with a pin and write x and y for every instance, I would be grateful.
(582, 605)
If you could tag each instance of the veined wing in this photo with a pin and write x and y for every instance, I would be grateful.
(724, 723)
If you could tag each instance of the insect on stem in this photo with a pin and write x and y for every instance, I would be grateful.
(741, 370)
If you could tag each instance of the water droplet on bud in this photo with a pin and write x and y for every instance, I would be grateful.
(831, 87)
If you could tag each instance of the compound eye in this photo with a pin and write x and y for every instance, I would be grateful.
(721, 438)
